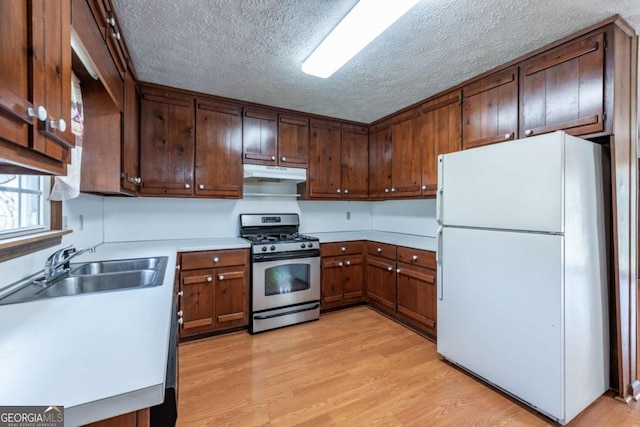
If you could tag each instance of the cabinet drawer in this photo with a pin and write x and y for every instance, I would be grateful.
(208, 259)
(342, 248)
(381, 249)
(417, 257)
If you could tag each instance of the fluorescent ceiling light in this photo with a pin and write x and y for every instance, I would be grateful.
(83, 55)
(366, 21)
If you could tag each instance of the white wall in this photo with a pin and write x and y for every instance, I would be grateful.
(405, 216)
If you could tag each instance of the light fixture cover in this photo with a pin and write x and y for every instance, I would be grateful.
(366, 21)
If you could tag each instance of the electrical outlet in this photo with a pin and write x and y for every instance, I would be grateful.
(348, 215)
(65, 224)
(80, 222)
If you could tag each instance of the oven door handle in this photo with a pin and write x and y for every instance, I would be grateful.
(271, 316)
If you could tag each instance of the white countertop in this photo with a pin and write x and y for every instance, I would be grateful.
(212, 244)
(399, 239)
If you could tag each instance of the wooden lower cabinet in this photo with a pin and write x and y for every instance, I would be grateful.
(217, 297)
(381, 283)
(416, 301)
(342, 275)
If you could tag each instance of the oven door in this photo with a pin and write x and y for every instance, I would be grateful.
(285, 280)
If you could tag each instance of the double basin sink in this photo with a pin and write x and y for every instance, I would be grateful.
(99, 276)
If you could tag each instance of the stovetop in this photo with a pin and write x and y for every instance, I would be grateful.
(279, 238)
(276, 233)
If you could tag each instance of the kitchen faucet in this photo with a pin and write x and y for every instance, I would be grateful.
(58, 263)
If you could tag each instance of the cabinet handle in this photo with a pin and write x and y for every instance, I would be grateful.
(201, 186)
(284, 159)
(180, 293)
(111, 21)
(273, 157)
(507, 136)
(180, 321)
(386, 190)
(389, 268)
(338, 191)
(340, 264)
(116, 35)
(348, 263)
(187, 186)
(393, 190)
(346, 191)
(379, 250)
(343, 249)
(415, 257)
(424, 187)
(180, 313)
(60, 124)
(397, 270)
(528, 132)
(138, 180)
(40, 113)
(209, 279)
(220, 277)
(216, 259)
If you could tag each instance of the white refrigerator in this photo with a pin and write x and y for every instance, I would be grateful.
(522, 270)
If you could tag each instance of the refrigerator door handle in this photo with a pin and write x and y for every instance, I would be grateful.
(439, 193)
(439, 265)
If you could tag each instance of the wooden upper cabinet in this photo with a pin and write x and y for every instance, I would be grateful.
(35, 73)
(490, 109)
(355, 162)
(293, 141)
(167, 132)
(260, 132)
(325, 160)
(218, 153)
(380, 160)
(563, 89)
(407, 161)
(441, 134)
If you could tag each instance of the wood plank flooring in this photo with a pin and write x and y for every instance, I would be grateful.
(353, 367)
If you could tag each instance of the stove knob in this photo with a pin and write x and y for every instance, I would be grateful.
(264, 249)
(273, 248)
(302, 245)
(309, 245)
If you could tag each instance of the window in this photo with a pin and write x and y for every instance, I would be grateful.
(23, 208)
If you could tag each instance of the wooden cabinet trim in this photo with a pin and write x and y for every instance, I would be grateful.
(416, 317)
(380, 263)
(563, 54)
(415, 274)
(380, 126)
(431, 107)
(299, 121)
(165, 100)
(14, 106)
(325, 124)
(488, 140)
(407, 115)
(591, 120)
(220, 107)
(261, 114)
(230, 317)
(198, 323)
(360, 130)
(483, 85)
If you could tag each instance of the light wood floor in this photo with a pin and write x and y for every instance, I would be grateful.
(353, 367)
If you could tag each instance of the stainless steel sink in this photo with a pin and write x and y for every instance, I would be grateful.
(92, 277)
(101, 267)
(74, 285)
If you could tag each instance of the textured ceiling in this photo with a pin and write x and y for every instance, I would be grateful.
(252, 49)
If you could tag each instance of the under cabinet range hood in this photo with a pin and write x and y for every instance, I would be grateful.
(260, 173)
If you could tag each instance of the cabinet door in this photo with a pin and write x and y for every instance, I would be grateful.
(166, 144)
(490, 109)
(380, 160)
(441, 134)
(293, 141)
(564, 89)
(259, 129)
(333, 276)
(130, 135)
(196, 302)
(231, 297)
(218, 169)
(407, 162)
(355, 162)
(353, 281)
(325, 160)
(417, 297)
(381, 283)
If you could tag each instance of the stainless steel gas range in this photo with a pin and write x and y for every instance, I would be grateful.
(285, 271)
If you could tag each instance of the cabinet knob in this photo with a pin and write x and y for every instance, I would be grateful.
(273, 157)
(346, 191)
(180, 293)
(187, 186)
(343, 249)
(40, 113)
(116, 35)
(338, 191)
(180, 321)
(393, 190)
(507, 136)
(386, 190)
(180, 313)
(220, 277)
(415, 257)
(60, 124)
(201, 187)
(340, 264)
(111, 21)
(284, 159)
(397, 270)
(209, 279)
(138, 180)
(379, 250)
(389, 268)
(216, 259)
(424, 187)
(528, 132)
(348, 262)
